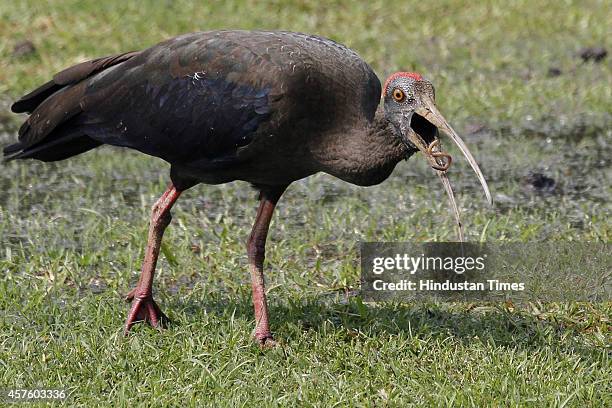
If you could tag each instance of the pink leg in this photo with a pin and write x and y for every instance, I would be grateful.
(144, 307)
(256, 248)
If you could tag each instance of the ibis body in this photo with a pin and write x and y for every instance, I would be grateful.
(265, 107)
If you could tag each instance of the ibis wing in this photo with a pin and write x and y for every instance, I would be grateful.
(195, 97)
(179, 119)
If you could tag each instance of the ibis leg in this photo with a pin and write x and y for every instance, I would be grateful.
(143, 305)
(256, 247)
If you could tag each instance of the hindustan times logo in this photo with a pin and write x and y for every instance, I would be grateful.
(412, 264)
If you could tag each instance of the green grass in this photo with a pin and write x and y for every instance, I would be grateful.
(72, 233)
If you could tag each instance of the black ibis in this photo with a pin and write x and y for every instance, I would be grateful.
(265, 107)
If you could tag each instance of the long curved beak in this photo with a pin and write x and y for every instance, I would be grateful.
(439, 160)
(429, 111)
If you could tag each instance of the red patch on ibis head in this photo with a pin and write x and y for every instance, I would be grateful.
(412, 75)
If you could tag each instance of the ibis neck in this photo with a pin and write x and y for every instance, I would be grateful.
(364, 154)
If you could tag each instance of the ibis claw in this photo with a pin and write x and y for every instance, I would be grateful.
(144, 309)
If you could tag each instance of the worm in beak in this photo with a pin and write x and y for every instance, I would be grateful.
(431, 147)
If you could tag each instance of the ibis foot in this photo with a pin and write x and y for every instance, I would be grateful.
(266, 342)
(144, 309)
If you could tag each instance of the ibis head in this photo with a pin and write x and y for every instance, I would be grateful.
(410, 106)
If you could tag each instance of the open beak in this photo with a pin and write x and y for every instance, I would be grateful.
(440, 161)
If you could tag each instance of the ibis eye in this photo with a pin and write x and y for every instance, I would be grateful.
(399, 95)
